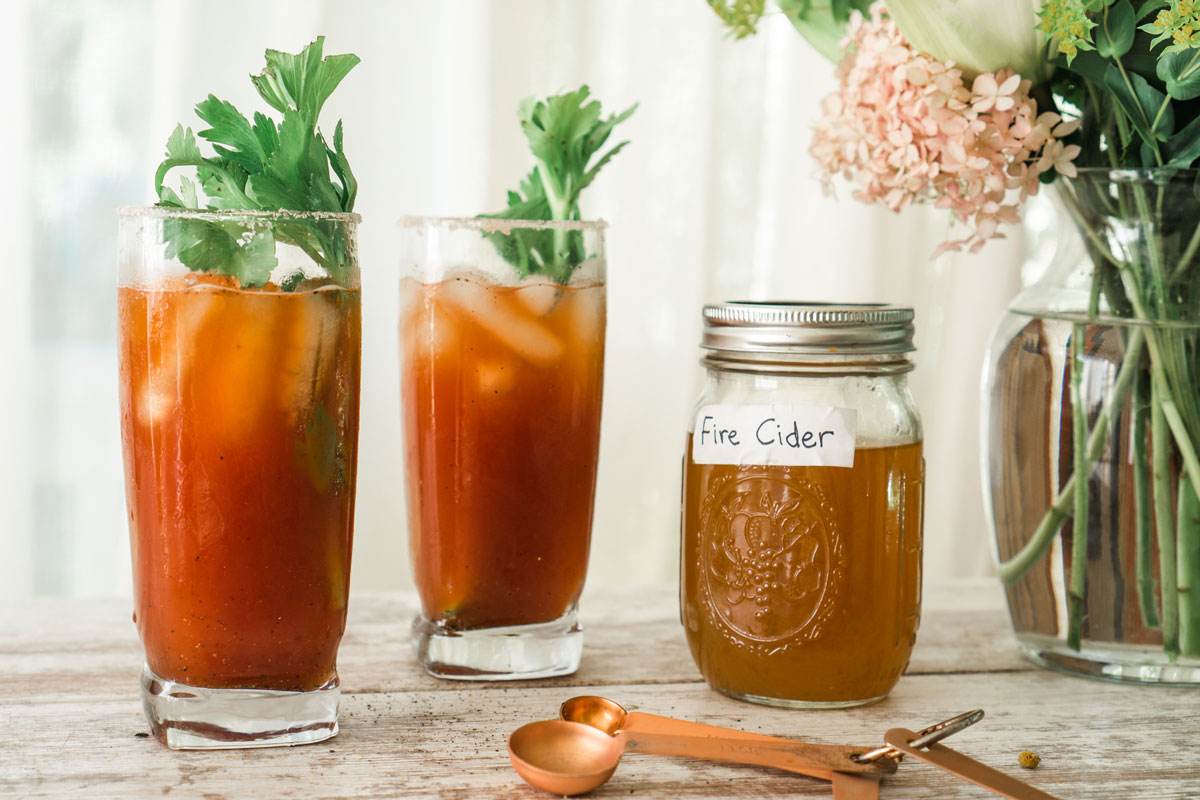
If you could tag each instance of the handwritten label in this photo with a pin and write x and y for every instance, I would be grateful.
(775, 435)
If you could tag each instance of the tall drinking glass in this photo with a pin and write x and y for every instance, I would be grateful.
(500, 382)
(239, 424)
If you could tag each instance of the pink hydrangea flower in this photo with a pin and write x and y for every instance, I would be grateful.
(903, 127)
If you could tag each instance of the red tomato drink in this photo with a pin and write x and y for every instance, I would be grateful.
(239, 429)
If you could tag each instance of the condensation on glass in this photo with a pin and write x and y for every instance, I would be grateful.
(802, 504)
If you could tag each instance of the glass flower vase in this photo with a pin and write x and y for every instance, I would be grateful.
(1091, 435)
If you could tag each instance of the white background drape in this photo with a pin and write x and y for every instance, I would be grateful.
(715, 199)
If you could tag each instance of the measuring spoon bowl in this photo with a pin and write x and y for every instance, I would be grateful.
(564, 758)
(599, 712)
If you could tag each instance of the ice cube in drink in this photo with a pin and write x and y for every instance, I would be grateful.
(503, 318)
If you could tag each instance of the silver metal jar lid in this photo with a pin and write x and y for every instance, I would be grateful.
(808, 328)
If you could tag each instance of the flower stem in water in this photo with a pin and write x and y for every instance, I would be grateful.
(1079, 537)
(1187, 540)
(1160, 444)
(1012, 570)
(1143, 517)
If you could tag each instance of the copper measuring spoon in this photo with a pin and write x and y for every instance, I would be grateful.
(658, 735)
(580, 751)
(611, 717)
(563, 757)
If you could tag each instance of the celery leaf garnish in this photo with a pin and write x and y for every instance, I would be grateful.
(564, 132)
(261, 165)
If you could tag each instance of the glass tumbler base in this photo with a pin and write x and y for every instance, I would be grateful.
(194, 718)
(515, 652)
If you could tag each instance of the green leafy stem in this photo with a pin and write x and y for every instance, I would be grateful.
(259, 165)
(565, 133)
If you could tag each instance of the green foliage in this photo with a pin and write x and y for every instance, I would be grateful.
(740, 16)
(1114, 36)
(260, 165)
(564, 133)
(821, 22)
(1184, 147)
(1178, 22)
(1180, 72)
(302, 82)
(1129, 68)
(224, 248)
(1140, 102)
(1068, 25)
(1146, 108)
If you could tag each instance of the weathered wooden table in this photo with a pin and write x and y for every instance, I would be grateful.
(71, 716)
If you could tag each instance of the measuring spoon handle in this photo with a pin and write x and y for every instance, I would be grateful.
(640, 726)
(637, 722)
(814, 760)
(965, 767)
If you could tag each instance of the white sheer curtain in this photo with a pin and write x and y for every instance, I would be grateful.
(715, 199)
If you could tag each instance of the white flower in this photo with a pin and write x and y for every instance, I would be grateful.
(977, 35)
(990, 94)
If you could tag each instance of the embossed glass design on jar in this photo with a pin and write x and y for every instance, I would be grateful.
(802, 504)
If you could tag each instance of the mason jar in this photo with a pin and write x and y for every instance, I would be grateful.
(803, 496)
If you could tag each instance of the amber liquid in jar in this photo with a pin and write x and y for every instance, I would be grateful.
(801, 585)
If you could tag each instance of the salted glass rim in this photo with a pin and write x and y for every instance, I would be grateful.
(173, 212)
(495, 225)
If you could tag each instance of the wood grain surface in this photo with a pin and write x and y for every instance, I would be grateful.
(71, 714)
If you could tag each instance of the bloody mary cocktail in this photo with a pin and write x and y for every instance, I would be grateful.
(501, 389)
(240, 429)
(239, 426)
(240, 354)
